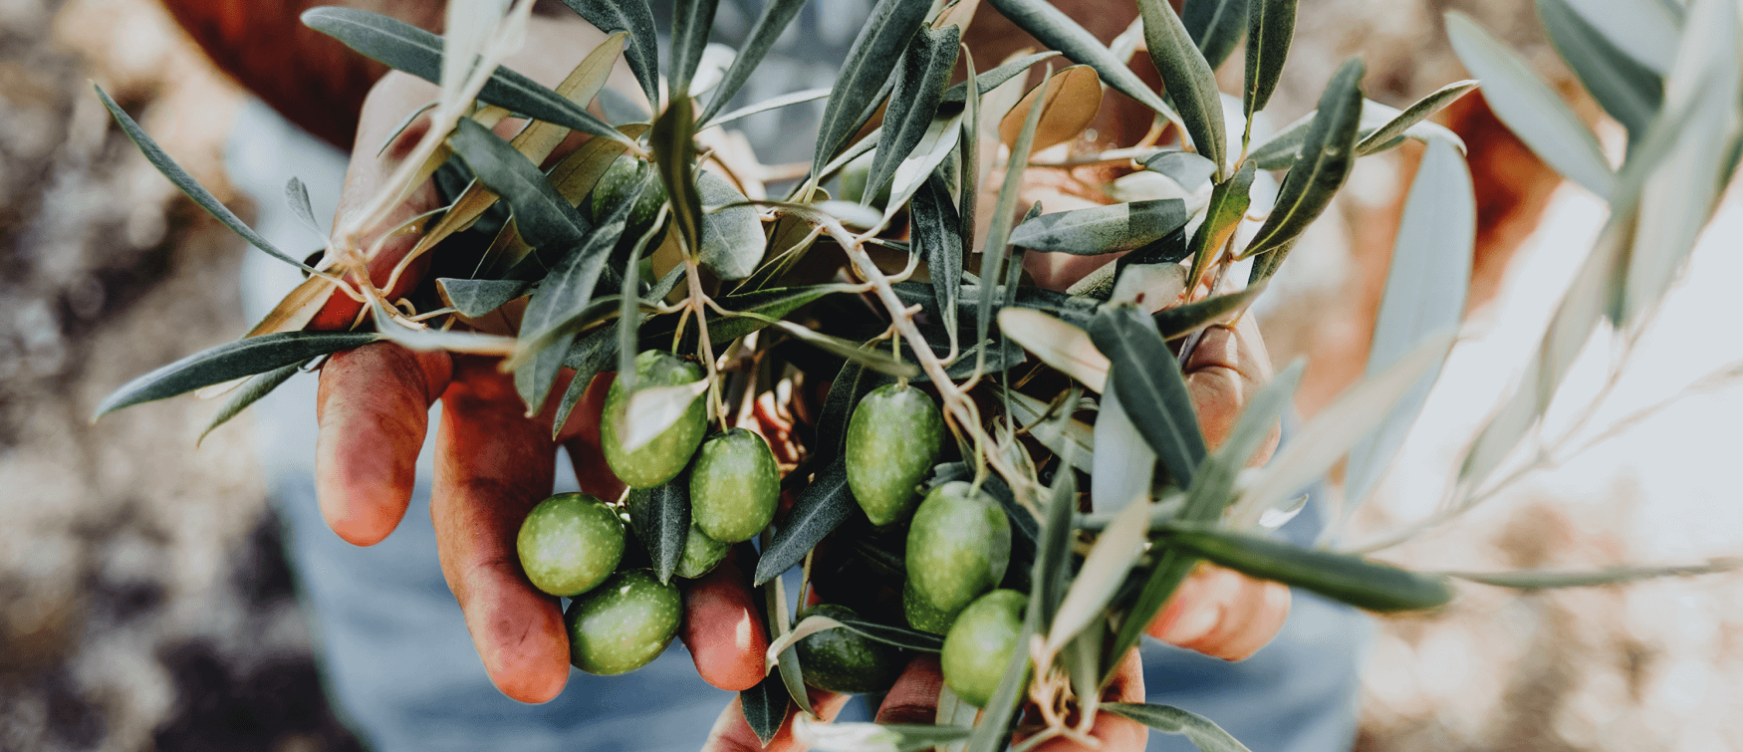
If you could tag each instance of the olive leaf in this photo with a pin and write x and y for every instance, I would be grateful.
(765, 706)
(1282, 148)
(774, 18)
(691, 22)
(1625, 88)
(990, 79)
(732, 235)
(901, 637)
(1149, 384)
(1185, 168)
(1104, 570)
(1189, 79)
(792, 674)
(476, 297)
(660, 517)
(1067, 437)
(637, 18)
(1216, 27)
(188, 185)
(875, 53)
(936, 236)
(542, 216)
(1365, 584)
(1325, 162)
(1548, 579)
(1053, 548)
(759, 308)
(999, 230)
(296, 195)
(1425, 294)
(229, 362)
(1125, 465)
(589, 356)
(1228, 205)
(1529, 108)
(1648, 32)
(1201, 731)
(1102, 229)
(1180, 321)
(936, 146)
(629, 313)
(1395, 129)
(1069, 103)
(424, 338)
(405, 47)
(1270, 30)
(874, 737)
(921, 74)
(251, 391)
(772, 103)
(820, 508)
(675, 155)
(1056, 30)
(1062, 346)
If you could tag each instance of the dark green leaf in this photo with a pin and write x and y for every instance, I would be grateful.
(1529, 108)
(1201, 731)
(732, 238)
(901, 637)
(1102, 229)
(1056, 30)
(1150, 388)
(1646, 31)
(773, 20)
(1053, 549)
(661, 518)
(231, 361)
(1187, 169)
(968, 149)
(1350, 579)
(1627, 90)
(765, 304)
(188, 185)
(1216, 27)
(991, 79)
(936, 227)
(475, 297)
(870, 61)
(820, 508)
(635, 17)
(545, 220)
(1180, 321)
(691, 22)
(1228, 206)
(256, 387)
(765, 706)
(920, 78)
(589, 356)
(405, 47)
(1270, 29)
(675, 155)
(1325, 161)
(1382, 137)
(1189, 78)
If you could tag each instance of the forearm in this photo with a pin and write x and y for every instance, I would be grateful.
(310, 78)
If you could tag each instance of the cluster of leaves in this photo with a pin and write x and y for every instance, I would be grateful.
(752, 287)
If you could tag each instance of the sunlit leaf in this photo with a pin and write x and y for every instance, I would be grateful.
(1124, 465)
(1062, 346)
(1228, 205)
(1646, 31)
(251, 391)
(651, 410)
(1069, 103)
(1056, 30)
(1188, 78)
(936, 146)
(1422, 109)
(1365, 584)
(1187, 169)
(1067, 437)
(1270, 29)
(772, 103)
(1282, 148)
(1201, 731)
(1102, 229)
(1104, 569)
(873, 737)
(1326, 158)
(1151, 388)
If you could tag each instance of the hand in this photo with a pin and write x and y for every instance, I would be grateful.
(493, 463)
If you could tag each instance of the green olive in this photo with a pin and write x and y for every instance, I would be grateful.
(980, 643)
(734, 486)
(701, 554)
(893, 440)
(958, 547)
(623, 624)
(845, 661)
(618, 180)
(570, 543)
(921, 615)
(663, 457)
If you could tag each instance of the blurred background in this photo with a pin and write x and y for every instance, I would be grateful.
(145, 602)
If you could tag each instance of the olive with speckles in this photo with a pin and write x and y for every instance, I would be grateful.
(701, 554)
(921, 615)
(664, 456)
(845, 661)
(979, 645)
(893, 439)
(569, 543)
(958, 547)
(734, 486)
(618, 180)
(623, 624)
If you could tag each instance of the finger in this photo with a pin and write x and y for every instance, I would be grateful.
(580, 435)
(1227, 367)
(731, 733)
(722, 630)
(1222, 613)
(372, 409)
(914, 697)
(492, 465)
(1115, 733)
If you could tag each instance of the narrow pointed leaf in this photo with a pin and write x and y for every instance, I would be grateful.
(637, 18)
(1151, 389)
(1284, 147)
(1069, 103)
(1548, 579)
(1063, 346)
(675, 155)
(1326, 158)
(988, 80)
(1180, 321)
(1216, 27)
(661, 518)
(1187, 169)
(1213, 487)
(251, 391)
(1124, 465)
(590, 355)
(1645, 31)
(921, 74)
(1104, 569)
(1379, 138)
(188, 185)
(1528, 107)
(1425, 294)
(773, 20)
(732, 237)
(875, 53)
(691, 22)
(297, 196)
(1228, 205)
(820, 508)
(1053, 548)
(765, 706)
(476, 297)
(231, 361)
(936, 226)
(1367, 585)
(874, 737)
(1102, 229)
(1270, 30)
(1201, 731)
(1188, 77)
(998, 237)
(1625, 88)
(543, 217)
(772, 103)
(653, 409)
(901, 637)
(1056, 30)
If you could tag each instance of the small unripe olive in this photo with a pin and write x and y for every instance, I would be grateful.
(701, 554)
(845, 661)
(734, 486)
(980, 643)
(570, 543)
(958, 547)
(623, 624)
(613, 187)
(921, 615)
(893, 439)
(663, 457)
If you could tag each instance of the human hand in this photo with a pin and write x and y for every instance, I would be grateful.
(493, 462)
